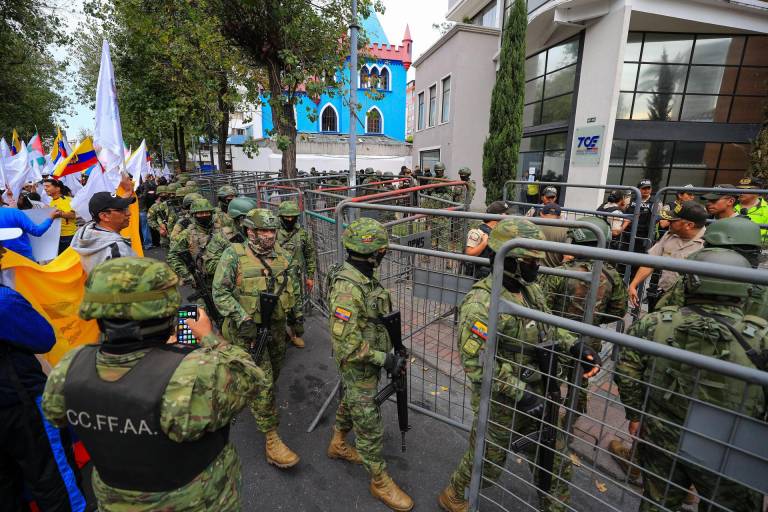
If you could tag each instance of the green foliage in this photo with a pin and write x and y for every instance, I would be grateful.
(502, 147)
(758, 157)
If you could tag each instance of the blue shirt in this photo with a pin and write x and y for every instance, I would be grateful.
(15, 218)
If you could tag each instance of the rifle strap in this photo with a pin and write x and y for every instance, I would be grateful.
(272, 276)
(756, 358)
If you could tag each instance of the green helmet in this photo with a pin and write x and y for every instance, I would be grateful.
(439, 169)
(369, 171)
(200, 205)
(465, 171)
(733, 231)
(389, 175)
(260, 218)
(240, 206)
(508, 229)
(585, 236)
(173, 187)
(704, 285)
(161, 189)
(365, 236)
(186, 203)
(226, 190)
(180, 192)
(190, 183)
(288, 209)
(130, 288)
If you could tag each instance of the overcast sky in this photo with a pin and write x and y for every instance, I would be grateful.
(419, 14)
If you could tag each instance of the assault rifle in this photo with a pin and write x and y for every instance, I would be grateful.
(399, 383)
(267, 304)
(201, 286)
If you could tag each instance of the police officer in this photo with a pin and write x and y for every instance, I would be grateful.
(752, 205)
(657, 392)
(154, 417)
(245, 271)
(516, 400)
(642, 235)
(361, 348)
(295, 240)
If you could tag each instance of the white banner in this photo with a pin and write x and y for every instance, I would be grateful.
(46, 247)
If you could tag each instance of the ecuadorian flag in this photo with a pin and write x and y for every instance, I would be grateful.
(81, 159)
(58, 151)
(15, 146)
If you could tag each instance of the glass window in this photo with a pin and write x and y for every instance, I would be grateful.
(695, 177)
(534, 90)
(614, 175)
(735, 156)
(532, 143)
(706, 108)
(445, 108)
(667, 47)
(558, 65)
(661, 78)
(656, 107)
(618, 149)
(532, 114)
(429, 158)
(747, 109)
(625, 106)
(373, 121)
(432, 105)
(421, 111)
(701, 155)
(545, 154)
(364, 77)
(711, 80)
(384, 79)
(752, 81)
(649, 154)
(534, 66)
(628, 77)
(634, 46)
(756, 53)
(329, 120)
(557, 109)
(559, 82)
(556, 141)
(562, 55)
(718, 49)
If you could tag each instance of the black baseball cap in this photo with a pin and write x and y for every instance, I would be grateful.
(549, 192)
(748, 183)
(645, 182)
(551, 209)
(714, 196)
(687, 210)
(497, 208)
(105, 201)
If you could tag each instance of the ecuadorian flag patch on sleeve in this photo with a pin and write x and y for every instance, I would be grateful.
(480, 329)
(342, 314)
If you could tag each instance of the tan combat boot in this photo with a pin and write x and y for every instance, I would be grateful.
(278, 453)
(386, 490)
(340, 449)
(297, 341)
(621, 454)
(452, 502)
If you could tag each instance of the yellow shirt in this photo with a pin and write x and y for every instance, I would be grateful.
(68, 226)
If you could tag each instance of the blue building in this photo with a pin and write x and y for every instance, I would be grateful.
(381, 93)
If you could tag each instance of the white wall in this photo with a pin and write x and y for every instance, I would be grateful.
(268, 160)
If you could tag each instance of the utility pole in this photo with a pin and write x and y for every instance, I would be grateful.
(353, 29)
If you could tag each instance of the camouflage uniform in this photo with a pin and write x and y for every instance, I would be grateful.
(458, 192)
(194, 239)
(299, 245)
(220, 217)
(159, 213)
(673, 386)
(208, 388)
(185, 219)
(224, 237)
(440, 198)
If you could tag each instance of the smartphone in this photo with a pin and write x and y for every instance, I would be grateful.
(183, 333)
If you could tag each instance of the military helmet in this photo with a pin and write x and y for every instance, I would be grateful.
(586, 235)
(703, 285)
(365, 236)
(465, 171)
(180, 192)
(190, 183)
(439, 169)
(733, 231)
(189, 198)
(226, 190)
(288, 209)
(260, 218)
(130, 288)
(240, 206)
(161, 189)
(508, 229)
(172, 187)
(200, 205)
(369, 171)
(389, 175)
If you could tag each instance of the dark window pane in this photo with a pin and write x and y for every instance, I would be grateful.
(560, 82)
(533, 90)
(756, 53)
(557, 109)
(625, 105)
(532, 114)
(614, 176)
(632, 175)
(718, 49)
(747, 110)
(561, 56)
(656, 107)
(649, 154)
(695, 177)
(667, 47)
(728, 177)
(753, 81)
(706, 108)
(556, 141)
(696, 154)
(711, 80)
(735, 156)
(554, 162)
(528, 161)
(661, 78)
(618, 148)
(532, 143)
(534, 66)
(634, 44)
(628, 77)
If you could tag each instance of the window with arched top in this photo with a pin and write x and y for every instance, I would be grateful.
(375, 78)
(384, 79)
(364, 77)
(373, 121)
(329, 120)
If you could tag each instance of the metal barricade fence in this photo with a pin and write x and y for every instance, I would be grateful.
(702, 425)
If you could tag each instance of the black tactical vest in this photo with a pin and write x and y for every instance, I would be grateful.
(119, 423)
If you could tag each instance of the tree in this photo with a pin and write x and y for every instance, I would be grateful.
(505, 127)
(297, 42)
(758, 157)
(660, 109)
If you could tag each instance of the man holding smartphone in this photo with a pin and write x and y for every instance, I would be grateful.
(154, 416)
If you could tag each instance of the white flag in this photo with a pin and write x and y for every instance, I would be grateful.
(5, 150)
(135, 165)
(16, 168)
(97, 182)
(108, 135)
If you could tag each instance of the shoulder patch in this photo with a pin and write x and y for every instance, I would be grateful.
(480, 329)
(342, 314)
(471, 346)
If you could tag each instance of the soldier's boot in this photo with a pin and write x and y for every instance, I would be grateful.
(621, 454)
(452, 502)
(386, 490)
(278, 453)
(298, 341)
(340, 449)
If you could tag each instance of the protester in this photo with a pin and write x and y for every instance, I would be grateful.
(61, 199)
(553, 233)
(33, 454)
(548, 196)
(721, 205)
(100, 239)
(14, 218)
(29, 200)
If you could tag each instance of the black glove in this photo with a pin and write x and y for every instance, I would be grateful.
(395, 364)
(248, 329)
(586, 355)
(531, 404)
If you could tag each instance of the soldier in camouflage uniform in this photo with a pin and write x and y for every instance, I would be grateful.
(224, 196)
(516, 399)
(361, 348)
(223, 238)
(174, 207)
(743, 236)
(158, 215)
(665, 388)
(185, 219)
(440, 198)
(458, 192)
(298, 243)
(154, 417)
(194, 240)
(245, 271)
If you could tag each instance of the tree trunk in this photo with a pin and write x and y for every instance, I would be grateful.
(182, 149)
(176, 141)
(285, 125)
(223, 123)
